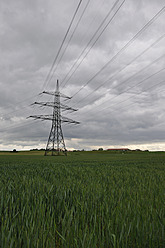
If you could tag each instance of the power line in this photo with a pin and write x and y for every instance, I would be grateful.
(153, 86)
(142, 81)
(36, 121)
(123, 48)
(70, 38)
(128, 79)
(76, 62)
(132, 103)
(18, 126)
(29, 98)
(131, 77)
(18, 103)
(115, 96)
(139, 83)
(120, 70)
(47, 80)
(89, 26)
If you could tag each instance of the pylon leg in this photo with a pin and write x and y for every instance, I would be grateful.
(56, 143)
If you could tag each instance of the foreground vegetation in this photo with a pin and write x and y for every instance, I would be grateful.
(88, 199)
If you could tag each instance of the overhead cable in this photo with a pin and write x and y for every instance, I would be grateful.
(47, 80)
(123, 68)
(88, 45)
(123, 48)
(70, 38)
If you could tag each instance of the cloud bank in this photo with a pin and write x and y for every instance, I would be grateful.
(119, 92)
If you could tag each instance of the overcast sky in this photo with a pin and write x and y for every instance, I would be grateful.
(116, 74)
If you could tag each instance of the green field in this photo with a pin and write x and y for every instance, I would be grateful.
(87, 199)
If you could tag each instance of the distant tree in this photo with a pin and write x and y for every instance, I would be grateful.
(100, 149)
(14, 150)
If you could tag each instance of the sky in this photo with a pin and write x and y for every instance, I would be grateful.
(109, 56)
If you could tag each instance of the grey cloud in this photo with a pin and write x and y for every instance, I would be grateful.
(30, 35)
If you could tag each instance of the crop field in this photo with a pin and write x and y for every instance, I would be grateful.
(84, 200)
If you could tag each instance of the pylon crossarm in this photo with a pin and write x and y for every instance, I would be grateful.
(56, 94)
(64, 96)
(54, 104)
(65, 107)
(51, 117)
(65, 119)
(44, 104)
(42, 117)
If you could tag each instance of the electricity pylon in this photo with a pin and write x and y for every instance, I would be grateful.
(55, 144)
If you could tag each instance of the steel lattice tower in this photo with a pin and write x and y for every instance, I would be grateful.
(55, 144)
(56, 139)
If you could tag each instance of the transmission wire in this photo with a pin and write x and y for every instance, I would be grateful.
(120, 70)
(122, 49)
(70, 38)
(127, 91)
(47, 80)
(91, 41)
(153, 86)
(130, 104)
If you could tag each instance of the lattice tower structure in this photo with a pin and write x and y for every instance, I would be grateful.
(56, 143)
